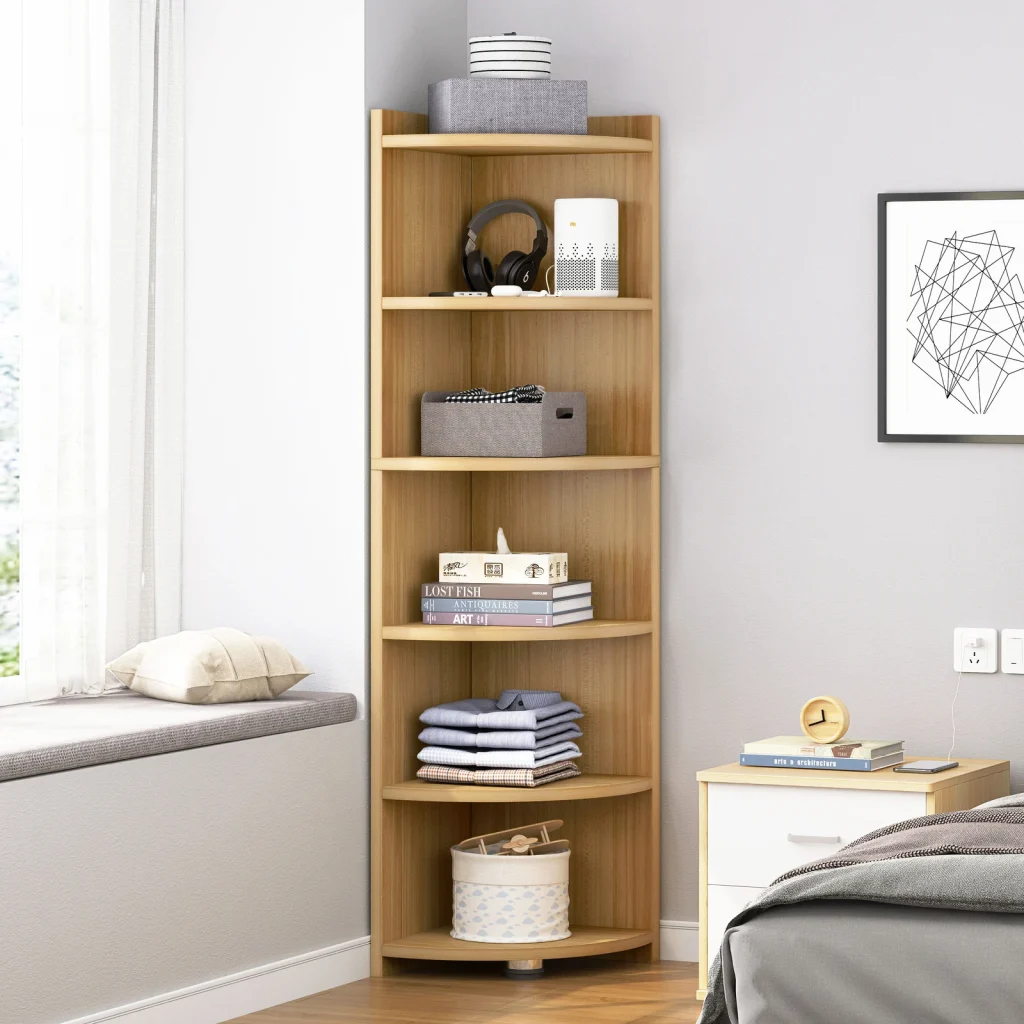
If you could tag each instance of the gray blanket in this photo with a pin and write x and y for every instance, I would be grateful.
(964, 860)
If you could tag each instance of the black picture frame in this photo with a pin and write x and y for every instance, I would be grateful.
(884, 198)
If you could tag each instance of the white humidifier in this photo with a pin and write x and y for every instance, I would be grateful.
(587, 247)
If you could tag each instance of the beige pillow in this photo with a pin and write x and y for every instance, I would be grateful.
(210, 666)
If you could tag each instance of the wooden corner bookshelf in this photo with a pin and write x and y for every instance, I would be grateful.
(602, 508)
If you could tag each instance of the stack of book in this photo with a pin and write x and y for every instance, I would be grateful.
(506, 604)
(800, 752)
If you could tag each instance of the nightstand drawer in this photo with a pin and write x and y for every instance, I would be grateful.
(756, 833)
(724, 903)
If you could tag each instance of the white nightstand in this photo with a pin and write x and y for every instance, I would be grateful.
(758, 823)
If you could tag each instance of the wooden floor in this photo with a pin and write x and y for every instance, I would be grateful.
(572, 992)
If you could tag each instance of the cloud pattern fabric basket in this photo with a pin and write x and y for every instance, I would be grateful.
(511, 898)
(511, 913)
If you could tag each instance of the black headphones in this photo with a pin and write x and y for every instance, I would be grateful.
(516, 267)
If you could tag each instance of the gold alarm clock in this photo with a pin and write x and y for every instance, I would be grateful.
(825, 719)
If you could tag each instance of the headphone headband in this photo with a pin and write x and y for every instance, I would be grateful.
(516, 267)
(497, 209)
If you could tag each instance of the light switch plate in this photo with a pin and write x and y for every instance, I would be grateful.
(1012, 642)
(974, 659)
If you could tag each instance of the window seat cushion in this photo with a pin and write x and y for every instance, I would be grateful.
(56, 735)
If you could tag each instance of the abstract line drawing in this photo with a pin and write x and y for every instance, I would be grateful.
(969, 313)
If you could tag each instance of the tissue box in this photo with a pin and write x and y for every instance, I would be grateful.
(489, 567)
(535, 106)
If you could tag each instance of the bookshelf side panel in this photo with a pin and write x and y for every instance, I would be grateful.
(422, 351)
(423, 515)
(601, 519)
(426, 207)
(609, 679)
(540, 180)
(609, 870)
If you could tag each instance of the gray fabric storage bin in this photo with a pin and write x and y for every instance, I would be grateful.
(555, 426)
(508, 105)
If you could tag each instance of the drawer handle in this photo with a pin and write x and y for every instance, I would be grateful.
(829, 840)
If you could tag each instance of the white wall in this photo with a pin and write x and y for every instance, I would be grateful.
(799, 555)
(275, 506)
(276, 384)
(126, 881)
(409, 44)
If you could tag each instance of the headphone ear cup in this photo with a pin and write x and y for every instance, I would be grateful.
(507, 268)
(478, 270)
(525, 274)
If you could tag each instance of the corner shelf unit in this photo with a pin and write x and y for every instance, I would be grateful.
(602, 508)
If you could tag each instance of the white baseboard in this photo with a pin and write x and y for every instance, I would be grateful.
(679, 941)
(221, 999)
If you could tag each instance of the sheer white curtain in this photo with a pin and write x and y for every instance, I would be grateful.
(102, 345)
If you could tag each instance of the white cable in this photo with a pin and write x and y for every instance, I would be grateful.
(952, 707)
(975, 643)
(547, 283)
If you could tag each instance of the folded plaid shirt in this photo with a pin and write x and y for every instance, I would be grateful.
(467, 757)
(528, 778)
(525, 393)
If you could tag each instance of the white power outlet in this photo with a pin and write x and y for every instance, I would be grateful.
(974, 649)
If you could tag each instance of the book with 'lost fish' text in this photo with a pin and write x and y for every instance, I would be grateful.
(539, 591)
(482, 606)
(471, 619)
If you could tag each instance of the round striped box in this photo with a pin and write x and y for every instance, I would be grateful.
(509, 56)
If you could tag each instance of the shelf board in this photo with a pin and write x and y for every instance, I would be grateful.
(438, 944)
(570, 463)
(594, 629)
(584, 787)
(493, 304)
(517, 145)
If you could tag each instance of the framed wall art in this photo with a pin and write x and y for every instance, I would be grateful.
(951, 316)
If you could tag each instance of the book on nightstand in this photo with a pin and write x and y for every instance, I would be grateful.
(841, 764)
(799, 752)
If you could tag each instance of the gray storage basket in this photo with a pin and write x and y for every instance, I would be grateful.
(542, 106)
(555, 426)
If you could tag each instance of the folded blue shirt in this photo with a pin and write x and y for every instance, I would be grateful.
(483, 713)
(499, 739)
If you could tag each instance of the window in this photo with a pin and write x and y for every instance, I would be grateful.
(91, 100)
(10, 342)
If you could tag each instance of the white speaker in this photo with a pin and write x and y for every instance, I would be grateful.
(587, 247)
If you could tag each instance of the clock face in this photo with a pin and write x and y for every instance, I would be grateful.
(825, 719)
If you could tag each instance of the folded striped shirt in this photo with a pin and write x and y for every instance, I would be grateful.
(527, 700)
(524, 777)
(500, 758)
(523, 393)
(482, 713)
(499, 739)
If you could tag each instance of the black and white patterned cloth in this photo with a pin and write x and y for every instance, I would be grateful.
(523, 394)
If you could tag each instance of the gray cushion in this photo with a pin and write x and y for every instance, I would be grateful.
(55, 735)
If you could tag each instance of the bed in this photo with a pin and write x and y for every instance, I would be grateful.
(921, 922)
